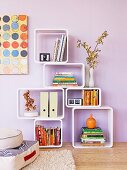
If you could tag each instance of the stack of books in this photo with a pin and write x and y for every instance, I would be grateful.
(48, 136)
(92, 137)
(59, 48)
(90, 97)
(64, 79)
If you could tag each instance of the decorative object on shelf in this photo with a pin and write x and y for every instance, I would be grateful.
(30, 107)
(64, 79)
(91, 77)
(14, 44)
(75, 102)
(91, 122)
(44, 56)
(92, 137)
(87, 76)
(92, 58)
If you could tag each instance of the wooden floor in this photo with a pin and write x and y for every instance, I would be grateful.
(99, 159)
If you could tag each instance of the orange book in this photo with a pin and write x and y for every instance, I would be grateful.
(88, 97)
(85, 98)
(43, 136)
(52, 137)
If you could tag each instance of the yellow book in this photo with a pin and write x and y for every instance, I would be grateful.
(95, 97)
(83, 91)
(91, 98)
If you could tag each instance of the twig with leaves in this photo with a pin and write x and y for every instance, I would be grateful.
(92, 54)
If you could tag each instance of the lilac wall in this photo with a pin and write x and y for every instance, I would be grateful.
(85, 20)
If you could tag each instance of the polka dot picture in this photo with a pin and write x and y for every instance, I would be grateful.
(14, 44)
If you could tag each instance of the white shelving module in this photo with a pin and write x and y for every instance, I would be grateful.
(77, 93)
(49, 71)
(49, 124)
(104, 118)
(35, 94)
(44, 42)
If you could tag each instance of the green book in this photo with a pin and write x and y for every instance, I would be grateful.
(95, 130)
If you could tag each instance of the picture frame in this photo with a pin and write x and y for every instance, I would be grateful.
(44, 57)
(75, 102)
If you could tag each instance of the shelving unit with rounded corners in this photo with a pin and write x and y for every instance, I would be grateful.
(73, 93)
(47, 123)
(35, 94)
(104, 118)
(49, 71)
(44, 42)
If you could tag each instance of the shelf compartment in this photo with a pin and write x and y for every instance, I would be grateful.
(104, 118)
(77, 93)
(44, 42)
(49, 124)
(49, 71)
(35, 94)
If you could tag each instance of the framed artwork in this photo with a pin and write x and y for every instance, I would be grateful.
(14, 44)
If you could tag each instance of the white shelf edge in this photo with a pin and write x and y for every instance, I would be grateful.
(65, 64)
(65, 31)
(106, 145)
(83, 88)
(21, 117)
(51, 146)
(94, 108)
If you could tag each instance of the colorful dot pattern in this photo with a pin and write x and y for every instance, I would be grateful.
(14, 44)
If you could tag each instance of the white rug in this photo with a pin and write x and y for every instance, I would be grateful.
(53, 160)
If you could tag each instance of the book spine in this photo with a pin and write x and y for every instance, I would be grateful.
(95, 97)
(60, 48)
(55, 50)
(58, 136)
(63, 48)
(83, 94)
(91, 98)
(36, 133)
(64, 73)
(57, 53)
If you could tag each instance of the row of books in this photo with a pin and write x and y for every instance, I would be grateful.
(48, 136)
(64, 79)
(92, 137)
(90, 97)
(59, 48)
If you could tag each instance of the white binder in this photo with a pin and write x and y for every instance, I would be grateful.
(44, 104)
(53, 104)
